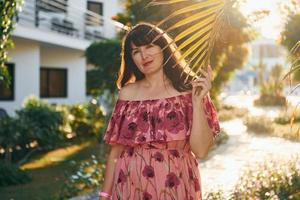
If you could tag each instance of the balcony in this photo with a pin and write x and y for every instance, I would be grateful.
(60, 17)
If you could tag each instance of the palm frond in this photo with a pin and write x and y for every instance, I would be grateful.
(165, 2)
(296, 49)
(203, 26)
(292, 70)
(295, 65)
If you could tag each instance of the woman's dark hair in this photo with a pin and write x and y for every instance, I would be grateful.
(144, 34)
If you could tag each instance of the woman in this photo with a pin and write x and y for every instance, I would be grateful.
(159, 125)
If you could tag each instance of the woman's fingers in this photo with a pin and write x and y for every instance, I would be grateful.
(200, 80)
(204, 88)
(204, 80)
(201, 84)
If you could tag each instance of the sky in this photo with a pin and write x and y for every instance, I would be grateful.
(271, 25)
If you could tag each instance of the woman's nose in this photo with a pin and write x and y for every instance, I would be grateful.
(144, 54)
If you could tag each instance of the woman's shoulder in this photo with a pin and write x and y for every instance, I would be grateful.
(133, 91)
(128, 91)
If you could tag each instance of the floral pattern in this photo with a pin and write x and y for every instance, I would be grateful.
(157, 161)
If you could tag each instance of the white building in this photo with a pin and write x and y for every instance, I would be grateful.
(264, 50)
(48, 58)
(268, 51)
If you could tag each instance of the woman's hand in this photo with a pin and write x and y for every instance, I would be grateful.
(201, 86)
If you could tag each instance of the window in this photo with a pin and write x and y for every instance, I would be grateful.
(96, 7)
(8, 93)
(53, 82)
(58, 6)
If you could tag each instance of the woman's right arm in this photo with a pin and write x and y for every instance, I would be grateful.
(110, 168)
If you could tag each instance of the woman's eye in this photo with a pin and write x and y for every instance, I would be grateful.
(134, 52)
(150, 45)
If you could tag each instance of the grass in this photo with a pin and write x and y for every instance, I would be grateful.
(260, 125)
(291, 132)
(227, 113)
(264, 126)
(48, 172)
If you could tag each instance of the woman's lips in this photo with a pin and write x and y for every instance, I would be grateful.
(147, 63)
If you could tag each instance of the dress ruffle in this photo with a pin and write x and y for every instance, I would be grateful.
(159, 120)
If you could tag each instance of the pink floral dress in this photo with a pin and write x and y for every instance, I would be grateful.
(157, 162)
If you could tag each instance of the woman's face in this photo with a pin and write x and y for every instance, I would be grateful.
(148, 58)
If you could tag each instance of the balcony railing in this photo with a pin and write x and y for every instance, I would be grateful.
(60, 17)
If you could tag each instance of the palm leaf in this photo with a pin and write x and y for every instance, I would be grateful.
(295, 59)
(296, 49)
(203, 27)
(165, 2)
(295, 65)
(293, 69)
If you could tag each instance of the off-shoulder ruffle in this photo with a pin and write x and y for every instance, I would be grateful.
(158, 120)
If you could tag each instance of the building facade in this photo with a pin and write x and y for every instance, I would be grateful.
(50, 38)
(264, 51)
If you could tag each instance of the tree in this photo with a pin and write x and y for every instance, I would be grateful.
(105, 56)
(230, 52)
(291, 32)
(7, 11)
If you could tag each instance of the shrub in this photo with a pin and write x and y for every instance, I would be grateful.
(10, 136)
(290, 115)
(88, 177)
(84, 120)
(12, 175)
(218, 195)
(270, 100)
(229, 112)
(270, 180)
(291, 132)
(36, 125)
(222, 138)
(41, 122)
(259, 125)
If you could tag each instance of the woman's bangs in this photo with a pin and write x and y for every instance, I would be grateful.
(142, 36)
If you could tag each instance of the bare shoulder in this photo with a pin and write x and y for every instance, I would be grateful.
(128, 91)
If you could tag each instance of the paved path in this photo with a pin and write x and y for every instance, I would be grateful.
(226, 164)
(241, 151)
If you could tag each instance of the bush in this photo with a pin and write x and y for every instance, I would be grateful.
(264, 125)
(291, 132)
(89, 176)
(222, 138)
(270, 180)
(219, 195)
(270, 100)
(229, 112)
(39, 125)
(41, 122)
(12, 175)
(290, 115)
(36, 125)
(259, 125)
(10, 136)
(84, 120)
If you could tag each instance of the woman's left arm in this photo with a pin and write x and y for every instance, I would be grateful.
(201, 138)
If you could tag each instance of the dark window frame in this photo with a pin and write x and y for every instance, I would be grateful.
(96, 2)
(11, 71)
(65, 95)
(57, 6)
